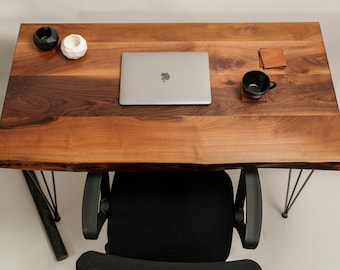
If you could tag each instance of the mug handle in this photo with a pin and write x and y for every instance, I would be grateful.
(272, 85)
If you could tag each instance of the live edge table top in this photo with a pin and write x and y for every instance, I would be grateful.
(62, 114)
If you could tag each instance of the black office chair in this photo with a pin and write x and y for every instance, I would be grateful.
(172, 220)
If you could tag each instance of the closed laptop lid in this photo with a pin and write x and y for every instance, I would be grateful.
(165, 78)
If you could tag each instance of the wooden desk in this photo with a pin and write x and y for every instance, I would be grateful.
(64, 114)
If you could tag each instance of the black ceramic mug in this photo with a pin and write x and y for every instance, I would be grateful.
(256, 83)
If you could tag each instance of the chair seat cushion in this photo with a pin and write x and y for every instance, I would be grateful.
(171, 216)
(96, 261)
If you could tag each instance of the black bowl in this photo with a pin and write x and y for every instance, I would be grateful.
(46, 38)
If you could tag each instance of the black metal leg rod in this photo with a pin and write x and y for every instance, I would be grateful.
(290, 202)
(46, 216)
(53, 203)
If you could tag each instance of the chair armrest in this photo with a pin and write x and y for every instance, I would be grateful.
(93, 260)
(95, 204)
(249, 191)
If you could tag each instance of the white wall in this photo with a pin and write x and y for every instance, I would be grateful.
(287, 244)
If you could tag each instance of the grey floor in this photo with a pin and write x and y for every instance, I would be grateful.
(308, 239)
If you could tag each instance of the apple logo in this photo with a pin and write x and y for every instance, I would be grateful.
(165, 76)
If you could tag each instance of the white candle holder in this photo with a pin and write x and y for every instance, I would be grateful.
(73, 46)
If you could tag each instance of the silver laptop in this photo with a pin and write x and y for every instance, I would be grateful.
(165, 78)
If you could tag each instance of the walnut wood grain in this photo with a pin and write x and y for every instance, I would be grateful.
(64, 114)
(74, 143)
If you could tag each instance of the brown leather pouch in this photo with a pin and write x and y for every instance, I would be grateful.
(272, 58)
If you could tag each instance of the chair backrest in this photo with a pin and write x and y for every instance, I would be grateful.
(179, 217)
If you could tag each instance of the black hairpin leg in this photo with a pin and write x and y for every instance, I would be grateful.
(290, 199)
(48, 211)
